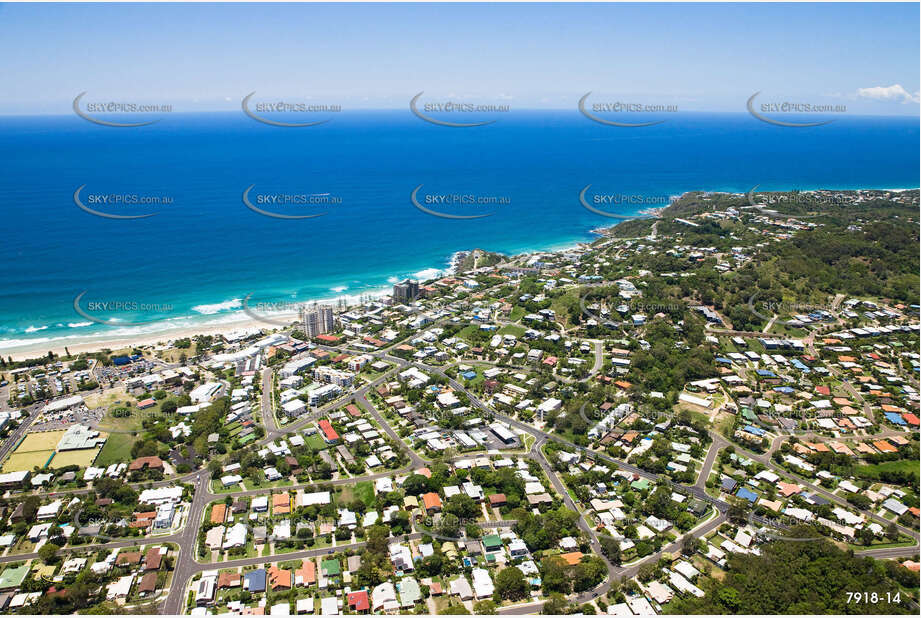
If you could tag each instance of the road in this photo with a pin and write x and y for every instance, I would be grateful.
(186, 566)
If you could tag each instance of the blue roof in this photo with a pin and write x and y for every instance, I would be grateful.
(754, 430)
(764, 373)
(895, 418)
(469, 375)
(723, 360)
(747, 494)
(255, 580)
(783, 389)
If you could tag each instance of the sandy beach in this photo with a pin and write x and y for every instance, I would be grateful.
(100, 341)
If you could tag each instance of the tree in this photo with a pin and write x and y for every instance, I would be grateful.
(416, 484)
(463, 506)
(48, 552)
(554, 577)
(556, 605)
(729, 598)
(611, 548)
(588, 573)
(511, 584)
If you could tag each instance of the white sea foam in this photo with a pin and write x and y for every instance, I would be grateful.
(227, 305)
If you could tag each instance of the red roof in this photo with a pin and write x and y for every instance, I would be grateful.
(328, 432)
(823, 390)
(911, 419)
(330, 338)
(431, 500)
(359, 600)
(353, 410)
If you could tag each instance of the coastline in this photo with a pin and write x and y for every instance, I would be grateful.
(237, 317)
(231, 320)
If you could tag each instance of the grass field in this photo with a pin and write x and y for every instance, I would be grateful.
(873, 471)
(40, 441)
(365, 492)
(82, 458)
(26, 461)
(116, 450)
(123, 424)
(35, 450)
(108, 398)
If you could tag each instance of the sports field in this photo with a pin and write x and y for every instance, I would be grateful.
(26, 461)
(82, 458)
(37, 448)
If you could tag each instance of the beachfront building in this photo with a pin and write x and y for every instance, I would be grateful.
(318, 320)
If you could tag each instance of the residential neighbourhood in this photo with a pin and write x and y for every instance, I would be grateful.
(610, 428)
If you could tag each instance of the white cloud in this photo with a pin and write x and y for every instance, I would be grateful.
(888, 93)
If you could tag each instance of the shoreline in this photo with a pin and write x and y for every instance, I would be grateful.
(225, 322)
(77, 344)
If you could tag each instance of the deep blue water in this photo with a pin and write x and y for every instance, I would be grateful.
(206, 248)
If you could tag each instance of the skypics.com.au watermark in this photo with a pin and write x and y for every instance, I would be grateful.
(769, 111)
(610, 110)
(93, 111)
(455, 109)
(449, 205)
(809, 199)
(766, 309)
(273, 312)
(121, 311)
(108, 204)
(281, 205)
(261, 111)
(622, 206)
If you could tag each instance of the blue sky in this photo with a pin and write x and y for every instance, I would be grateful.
(697, 56)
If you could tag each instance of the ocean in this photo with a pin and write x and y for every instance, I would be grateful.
(205, 251)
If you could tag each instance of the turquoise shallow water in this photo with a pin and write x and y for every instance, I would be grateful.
(204, 251)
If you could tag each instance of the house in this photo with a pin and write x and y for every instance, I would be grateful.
(281, 504)
(204, 593)
(461, 587)
(229, 580)
(432, 502)
(279, 579)
(326, 429)
(153, 559)
(359, 602)
(120, 588)
(483, 587)
(148, 584)
(384, 598)
(497, 500)
(492, 543)
(330, 568)
(307, 574)
(254, 581)
(153, 462)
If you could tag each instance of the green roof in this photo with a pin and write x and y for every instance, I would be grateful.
(13, 577)
(330, 567)
(640, 484)
(492, 540)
